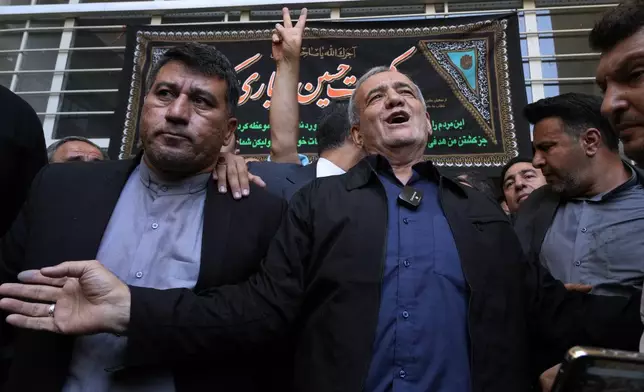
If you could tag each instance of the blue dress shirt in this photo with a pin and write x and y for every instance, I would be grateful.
(421, 342)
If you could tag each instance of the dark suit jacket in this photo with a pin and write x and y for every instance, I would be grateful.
(64, 218)
(283, 179)
(22, 153)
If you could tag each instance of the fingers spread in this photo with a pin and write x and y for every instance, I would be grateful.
(15, 306)
(35, 323)
(33, 292)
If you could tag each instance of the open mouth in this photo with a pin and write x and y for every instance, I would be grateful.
(398, 117)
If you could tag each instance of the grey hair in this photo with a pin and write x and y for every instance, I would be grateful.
(51, 150)
(354, 113)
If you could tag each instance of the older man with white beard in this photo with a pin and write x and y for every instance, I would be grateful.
(391, 277)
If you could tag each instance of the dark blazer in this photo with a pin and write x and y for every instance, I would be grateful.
(283, 179)
(323, 277)
(537, 213)
(64, 218)
(22, 153)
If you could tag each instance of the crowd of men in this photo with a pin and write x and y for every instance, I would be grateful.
(188, 268)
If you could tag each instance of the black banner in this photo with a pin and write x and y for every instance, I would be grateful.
(469, 70)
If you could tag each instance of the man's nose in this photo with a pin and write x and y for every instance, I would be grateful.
(393, 99)
(538, 161)
(614, 102)
(178, 111)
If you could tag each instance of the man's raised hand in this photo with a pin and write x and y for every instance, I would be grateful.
(287, 39)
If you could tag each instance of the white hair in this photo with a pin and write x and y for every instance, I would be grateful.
(354, 113)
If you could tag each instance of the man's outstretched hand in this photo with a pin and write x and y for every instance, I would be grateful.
(88, 299)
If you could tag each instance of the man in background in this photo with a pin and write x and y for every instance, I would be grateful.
(519, 179)
(337, 153)
(74, 148)
(585, 225)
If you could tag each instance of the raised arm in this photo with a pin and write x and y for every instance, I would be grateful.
(284, 113)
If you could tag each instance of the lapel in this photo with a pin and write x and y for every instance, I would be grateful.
(216, 222)
(543, 219)
(303, 174)
(92, 218)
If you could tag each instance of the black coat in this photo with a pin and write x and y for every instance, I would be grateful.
(321, 282)
(283, 179)
(64, 219)
(22, 154)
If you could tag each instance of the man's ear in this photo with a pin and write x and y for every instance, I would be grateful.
(230, 131)
(591, 140)
(356, 136)
(429, 124)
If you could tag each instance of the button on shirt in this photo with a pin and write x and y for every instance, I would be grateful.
(153, 239)
(598, 241)
(421, 342)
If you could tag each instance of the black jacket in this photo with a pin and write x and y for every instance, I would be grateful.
(283, 179)
(64, 219)
(22, 153)
(321, 282)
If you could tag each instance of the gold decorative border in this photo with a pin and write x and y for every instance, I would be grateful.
(145, 37)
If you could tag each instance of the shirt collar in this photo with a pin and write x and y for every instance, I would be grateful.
(188, 185)
(326, 168)
(424, 169)
(632, 181)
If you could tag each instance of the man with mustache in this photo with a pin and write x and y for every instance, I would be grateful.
(390, 277)
(157, 221)
(584, 225)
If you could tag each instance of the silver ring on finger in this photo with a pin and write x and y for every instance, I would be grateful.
(51, 310)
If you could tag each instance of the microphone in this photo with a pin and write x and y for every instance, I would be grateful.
(410, 197)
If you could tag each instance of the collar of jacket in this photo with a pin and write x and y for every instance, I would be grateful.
(367, 170)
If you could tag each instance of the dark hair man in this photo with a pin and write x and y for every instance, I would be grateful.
(429, 294)
(337, 153)
(619, 35)
(74, 148)
(584, 225)
(519, 179)
(157, 222)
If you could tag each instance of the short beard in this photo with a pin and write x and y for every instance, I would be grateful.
(175, 167)
(570, 186)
